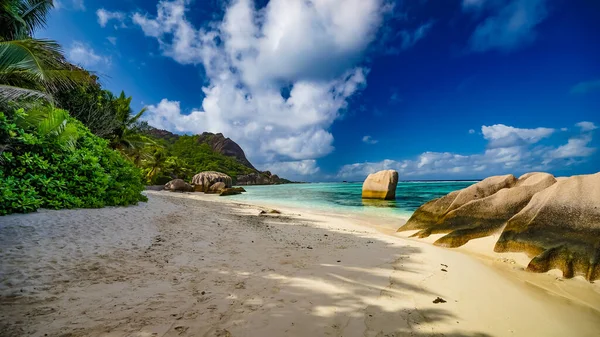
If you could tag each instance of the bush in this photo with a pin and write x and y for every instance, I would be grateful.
(50, 160)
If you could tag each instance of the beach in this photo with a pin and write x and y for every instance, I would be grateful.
(189, 264)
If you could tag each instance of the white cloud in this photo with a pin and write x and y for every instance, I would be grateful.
(575, 147)
(409, 39)
(112, 40)
(471, 131)
(313, 50)
(294, 170)
(369, 140)
(515, 157)
(586, 126)
(511, 26)
(83, 55)
(105, 16)
(501, 135)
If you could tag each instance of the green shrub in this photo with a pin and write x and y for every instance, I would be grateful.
(50, 160)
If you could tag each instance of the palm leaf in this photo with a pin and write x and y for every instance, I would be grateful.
(38, 64)
(12, 93)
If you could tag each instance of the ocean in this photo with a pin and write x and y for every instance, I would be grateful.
(346, 197)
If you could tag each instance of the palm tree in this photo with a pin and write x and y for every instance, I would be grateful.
(31, 67)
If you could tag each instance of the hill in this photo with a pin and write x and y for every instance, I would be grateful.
(210, 152)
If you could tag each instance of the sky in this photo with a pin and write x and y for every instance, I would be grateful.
(326, 90)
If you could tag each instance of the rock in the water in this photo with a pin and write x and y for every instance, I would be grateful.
(232, 191)
(178, 185)
(486, 215)
(560, 228)
(380, 185)
(217, 187)
(204, 180)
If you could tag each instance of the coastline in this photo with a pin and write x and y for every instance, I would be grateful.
(203, 265)
(510, 265)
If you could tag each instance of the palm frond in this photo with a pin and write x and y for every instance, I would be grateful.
(68, 136)
(13, 93)
(34, 13)
(38, 64)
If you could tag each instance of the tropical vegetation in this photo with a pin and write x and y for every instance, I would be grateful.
(65, 141)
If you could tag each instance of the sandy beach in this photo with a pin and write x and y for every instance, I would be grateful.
(200, 265)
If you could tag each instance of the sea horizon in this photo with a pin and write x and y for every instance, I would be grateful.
(345, 197)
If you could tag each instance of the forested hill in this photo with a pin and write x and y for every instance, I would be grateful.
(209, 152)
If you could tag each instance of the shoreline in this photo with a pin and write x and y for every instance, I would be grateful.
(203, 265)
(510, 265)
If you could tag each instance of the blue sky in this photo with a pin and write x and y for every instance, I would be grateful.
(333, 90)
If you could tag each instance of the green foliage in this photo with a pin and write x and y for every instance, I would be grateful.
(31, 67)
(201, 157)
(51, 160)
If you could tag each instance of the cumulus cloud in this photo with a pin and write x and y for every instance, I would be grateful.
(105, 16)
(83, 55)
(500, 135)
(312, 50)
(294, 170)
(510, 25)
(586, 87)
(510, 155)
(586, 126)
(369, 140)
(471, 131)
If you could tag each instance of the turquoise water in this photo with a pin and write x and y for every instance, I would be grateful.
(346, 197)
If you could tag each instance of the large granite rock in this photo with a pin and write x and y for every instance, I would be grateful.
(258, 178)
(559, 228)
(380, 185)
(225, 146)
(204, 180)
(554, 221)
(217, 187)
(481, 209)
(178, 185)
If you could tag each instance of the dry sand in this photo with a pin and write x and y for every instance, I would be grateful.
(195, 265)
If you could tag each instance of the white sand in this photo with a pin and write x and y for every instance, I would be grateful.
(196, 265)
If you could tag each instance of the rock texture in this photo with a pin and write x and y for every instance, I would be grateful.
(204, 180)
(232, 191)
(479, 210)
(217, 187)
(559, 228)
(259, 178)
(380, 185)
(555, 221)
(178, 185)
(225, 146)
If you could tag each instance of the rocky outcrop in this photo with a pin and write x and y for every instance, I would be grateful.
(554, 221)
(380, 185)
(217, 187)
(559, 228)
(225, 146)
(178, 185)
(478, 210)
(232, 191)
(204, 180)
(259, 178)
